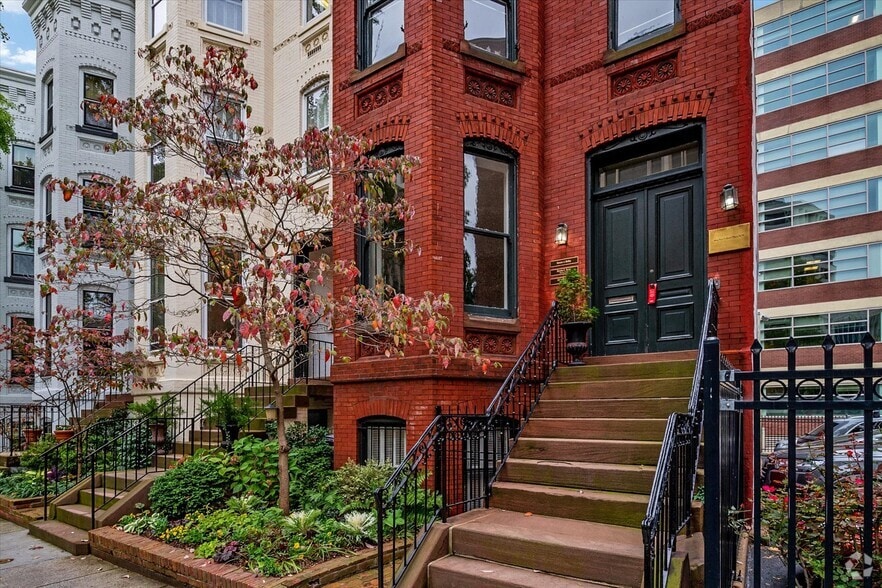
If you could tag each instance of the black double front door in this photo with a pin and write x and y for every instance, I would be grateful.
(649, 266)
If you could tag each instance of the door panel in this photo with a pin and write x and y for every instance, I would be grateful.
(645, 236)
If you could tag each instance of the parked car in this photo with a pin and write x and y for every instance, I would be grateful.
(843, 428)
(809, 456)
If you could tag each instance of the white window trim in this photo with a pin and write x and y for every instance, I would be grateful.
(305, 13)
(222, 27)
(312, 87)
(82, 80)
(10, 253)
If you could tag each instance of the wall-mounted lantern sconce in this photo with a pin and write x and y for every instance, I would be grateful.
(729, 197)
(560, 235)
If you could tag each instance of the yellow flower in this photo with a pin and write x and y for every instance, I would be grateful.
(296, 546)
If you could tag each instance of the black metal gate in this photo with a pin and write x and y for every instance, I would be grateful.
(812, 500)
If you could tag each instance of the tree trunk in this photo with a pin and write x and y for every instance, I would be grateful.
(284, 477)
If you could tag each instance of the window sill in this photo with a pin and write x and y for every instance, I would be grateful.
(97, 132)
(466, 48)
(613, 55)
(46, 136)
(231, 34)
(19, 280)
(20, 190)
(367, 72)
(492, 324)
(310, 26)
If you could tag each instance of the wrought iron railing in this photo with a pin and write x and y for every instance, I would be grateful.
(138, 449)
(450, 468)
(673, 486)
(819, 505)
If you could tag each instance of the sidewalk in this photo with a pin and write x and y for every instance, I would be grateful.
(27, 562)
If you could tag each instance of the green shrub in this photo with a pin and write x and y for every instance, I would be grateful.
(310, 466)
(299, 435)
(355, 484)
(30, 457)
(29, 485)
(254, 469)
(193, 486)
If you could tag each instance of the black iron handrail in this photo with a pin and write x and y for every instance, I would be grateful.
(450, 468)
(138, 439)
(669, 509)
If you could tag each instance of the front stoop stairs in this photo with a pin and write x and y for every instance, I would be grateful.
(568, 504)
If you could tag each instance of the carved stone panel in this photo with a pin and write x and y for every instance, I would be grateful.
(491, 343)
(380, 95)
(490, 89)
(644, 75)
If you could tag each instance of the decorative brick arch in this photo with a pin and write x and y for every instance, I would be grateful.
(393, 129)
(690, 105)
(393, 408)
(490, 126)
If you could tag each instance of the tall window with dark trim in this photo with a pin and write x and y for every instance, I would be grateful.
(94, 86)
(489, 265)
(158, 16)
(96, 209)
(50, 106)
(47, 203)
(157, 304)
(21, 355)
(382, 29)
(381, 439)
(380, 256)
(225, 271)
(157, 162)
(98, 330)
(490, 25)
(23, 167)
(634, 21)
(22, 254)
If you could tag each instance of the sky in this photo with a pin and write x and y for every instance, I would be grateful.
(19, 52)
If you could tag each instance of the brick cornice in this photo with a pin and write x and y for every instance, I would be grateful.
(391, 129)
(690, 105)
(489, 126)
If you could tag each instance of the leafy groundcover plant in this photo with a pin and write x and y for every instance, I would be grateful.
(243, 527)
(848, 525)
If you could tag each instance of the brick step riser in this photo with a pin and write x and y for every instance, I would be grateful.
(636, 482)
(619, 389)
(627, 514)
(655, 408)
(627, 371)
(630, 430)
(553, 558)
(587, 451)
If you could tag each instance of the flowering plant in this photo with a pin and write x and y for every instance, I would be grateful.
(850, 561)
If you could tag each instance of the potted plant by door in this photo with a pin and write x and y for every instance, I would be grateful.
(229, 413)
(573, 295)
(158, 413)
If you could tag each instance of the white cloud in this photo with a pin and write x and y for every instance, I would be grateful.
(13, 6)
(18, 58)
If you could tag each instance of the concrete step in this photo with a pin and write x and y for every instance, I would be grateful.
(639, 369)
(76, 515)
(613, 508)
(587, 450)
(641, 357)
(464, 572)
(590, 476)
(9, 460)
(120, 480)
(598, 428)
(101, 496)
(610, 389)
(67, 537)
(577, 549)
(635, 408)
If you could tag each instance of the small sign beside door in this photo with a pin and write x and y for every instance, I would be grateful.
(728, 238)
(560, 266)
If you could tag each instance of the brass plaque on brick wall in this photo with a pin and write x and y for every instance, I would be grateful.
(560, 266)
(728, 238)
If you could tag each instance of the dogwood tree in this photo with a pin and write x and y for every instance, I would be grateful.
(232, 235)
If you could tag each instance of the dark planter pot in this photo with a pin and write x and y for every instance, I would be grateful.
(157, 435)
(63, 435)
(577, 340)
(229, 433)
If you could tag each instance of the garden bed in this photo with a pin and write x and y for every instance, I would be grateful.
(177, 566)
